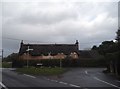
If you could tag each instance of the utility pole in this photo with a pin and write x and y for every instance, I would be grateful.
(1, 50)
(2, 54)
(1, 58)
(60, 63)
(60, 60)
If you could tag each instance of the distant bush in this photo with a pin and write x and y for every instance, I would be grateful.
(41, 71)
(6, 64)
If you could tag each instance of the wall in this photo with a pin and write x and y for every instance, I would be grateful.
(73, 55)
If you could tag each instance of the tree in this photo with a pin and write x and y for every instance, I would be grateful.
(106, 47)
(11, 57)
(111, 50)
(94, 47)
(118, 35)
(118, 51)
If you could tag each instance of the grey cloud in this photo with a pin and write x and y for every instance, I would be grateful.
(45, 18)
(36, 14)
(48, 22)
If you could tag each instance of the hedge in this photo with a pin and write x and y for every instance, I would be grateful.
(56, 62)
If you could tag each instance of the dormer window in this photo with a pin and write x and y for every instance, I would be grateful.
(74, 52)
(61, 53)
(49, 53)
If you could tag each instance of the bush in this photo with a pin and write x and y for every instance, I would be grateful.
(6, 64)
(65, 63)
(41, 71)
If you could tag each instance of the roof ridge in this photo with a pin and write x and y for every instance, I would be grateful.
(49, 44)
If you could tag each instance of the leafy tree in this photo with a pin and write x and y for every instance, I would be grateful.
(118, 50)
(118, 35)
(11, 57)
(111, 52)
(106, 47)
(94, 47)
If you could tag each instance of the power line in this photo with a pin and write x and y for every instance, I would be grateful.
(22, 39)
(45, 42)
(11, 38)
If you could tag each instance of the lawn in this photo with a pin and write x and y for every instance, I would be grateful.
(6, 65)
(41, 71)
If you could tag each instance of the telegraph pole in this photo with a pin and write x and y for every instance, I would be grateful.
(60, 63)
(60, 60)
(2, 54)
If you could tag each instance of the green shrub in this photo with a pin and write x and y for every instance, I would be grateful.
(6, 64)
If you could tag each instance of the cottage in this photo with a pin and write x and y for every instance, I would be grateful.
(48, 51)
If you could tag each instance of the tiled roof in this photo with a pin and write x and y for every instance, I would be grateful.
(45, 49)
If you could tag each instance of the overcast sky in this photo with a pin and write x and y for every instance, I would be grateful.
(58, 22)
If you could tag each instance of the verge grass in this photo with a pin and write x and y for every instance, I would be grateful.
(41, 71)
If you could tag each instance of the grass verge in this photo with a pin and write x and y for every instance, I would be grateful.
(41, 71)
(6, 65)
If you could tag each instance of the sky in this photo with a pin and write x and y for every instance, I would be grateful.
(61, 22)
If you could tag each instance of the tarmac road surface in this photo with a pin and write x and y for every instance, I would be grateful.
(86, 78)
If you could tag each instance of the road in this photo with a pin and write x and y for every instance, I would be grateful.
(85, 78)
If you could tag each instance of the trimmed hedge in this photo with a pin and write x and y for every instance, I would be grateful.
(56, 62)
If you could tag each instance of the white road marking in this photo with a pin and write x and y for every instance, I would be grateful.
(118, 81)
(74, 85)
(54, 80)
(106, 82)
(63, 83)
(3, 85)
(86, 72)
(99, 73)
(48, 79)
(30, 76)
